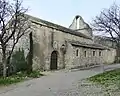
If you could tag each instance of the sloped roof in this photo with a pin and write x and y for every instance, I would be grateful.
(56, 26)
(104, 38)
(93, 46)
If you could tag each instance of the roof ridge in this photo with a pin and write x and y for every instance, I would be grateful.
(57, 26)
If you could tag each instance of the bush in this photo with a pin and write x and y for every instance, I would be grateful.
(18, 61)
(35, 74)
(10, 80)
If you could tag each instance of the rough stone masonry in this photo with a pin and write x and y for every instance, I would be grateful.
(58, 47)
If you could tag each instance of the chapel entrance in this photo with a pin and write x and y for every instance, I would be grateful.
(54, 59)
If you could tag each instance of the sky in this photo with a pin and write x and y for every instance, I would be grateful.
(62, 12)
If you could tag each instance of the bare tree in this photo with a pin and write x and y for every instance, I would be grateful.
(108, 22)
(12, 30)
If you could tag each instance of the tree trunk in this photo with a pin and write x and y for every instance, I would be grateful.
(4, 64)
(8, 65)
(30, 55)
(118, 53)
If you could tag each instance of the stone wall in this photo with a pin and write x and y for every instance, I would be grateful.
(86, 58)
(105, 41)
(47, 40)
(109, 55)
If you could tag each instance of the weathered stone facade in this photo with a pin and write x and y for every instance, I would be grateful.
(109, 55)
(57, 47)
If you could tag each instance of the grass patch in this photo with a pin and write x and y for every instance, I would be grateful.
(107, 78)
(19, 77)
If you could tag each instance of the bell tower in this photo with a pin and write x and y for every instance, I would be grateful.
(79, 25)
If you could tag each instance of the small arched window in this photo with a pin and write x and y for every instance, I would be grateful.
(93, 53)
(77, 51)
(85, 54)
(100, 53)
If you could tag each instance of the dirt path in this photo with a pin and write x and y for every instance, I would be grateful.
(61, 83)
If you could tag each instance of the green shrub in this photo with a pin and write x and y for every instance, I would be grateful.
(10, 80)
(18, 61)
(35, 74)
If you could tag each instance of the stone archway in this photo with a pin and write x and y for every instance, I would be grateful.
(54, 60)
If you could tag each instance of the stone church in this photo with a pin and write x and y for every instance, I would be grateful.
(57, 47)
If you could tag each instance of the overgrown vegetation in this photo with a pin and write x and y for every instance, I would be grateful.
(19, 69)
(108, 23)
(18, 61)
(107, 78)
(13, 25)
(19, 77)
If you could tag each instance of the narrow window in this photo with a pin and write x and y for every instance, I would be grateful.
(52, 38)
(99, 53)
(77, 52)
(93, 53)
(78, 23)
(85, 53)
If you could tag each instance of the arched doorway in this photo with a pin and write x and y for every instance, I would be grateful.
(54, 59)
